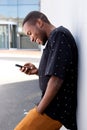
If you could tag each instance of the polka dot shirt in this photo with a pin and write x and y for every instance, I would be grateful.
(60, 59)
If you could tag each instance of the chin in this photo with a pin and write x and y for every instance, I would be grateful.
(43, 43)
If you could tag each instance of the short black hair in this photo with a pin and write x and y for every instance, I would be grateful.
(33, 16)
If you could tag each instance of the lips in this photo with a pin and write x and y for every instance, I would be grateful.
(37, 41)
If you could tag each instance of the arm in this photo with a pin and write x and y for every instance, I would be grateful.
(53, 86)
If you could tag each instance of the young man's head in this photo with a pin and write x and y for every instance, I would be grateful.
(33, 16)
(37, 26)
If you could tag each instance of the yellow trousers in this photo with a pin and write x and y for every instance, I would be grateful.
(36, 121)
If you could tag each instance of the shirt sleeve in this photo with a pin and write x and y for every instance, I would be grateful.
(59, 57)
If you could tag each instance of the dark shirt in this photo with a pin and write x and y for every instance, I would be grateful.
(60, 58)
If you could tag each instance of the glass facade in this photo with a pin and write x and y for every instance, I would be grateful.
(17, 8)
(14, 11)
(3, 36)
(8, 31)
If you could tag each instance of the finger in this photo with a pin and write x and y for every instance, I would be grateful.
(26, 69)
(22, 69)
(31, 67)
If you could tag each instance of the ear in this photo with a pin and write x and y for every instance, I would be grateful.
(39, 23)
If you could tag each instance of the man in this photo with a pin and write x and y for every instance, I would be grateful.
(57, 73)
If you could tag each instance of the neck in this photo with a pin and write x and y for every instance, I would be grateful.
(49, 28)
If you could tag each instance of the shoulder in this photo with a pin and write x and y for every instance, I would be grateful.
(57, 35)
(58, 32)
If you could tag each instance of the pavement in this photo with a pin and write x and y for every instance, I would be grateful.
(16, 99)
(18, 92)
(8, 58)
(20, 53)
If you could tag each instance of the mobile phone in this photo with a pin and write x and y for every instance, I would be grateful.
(18, 65)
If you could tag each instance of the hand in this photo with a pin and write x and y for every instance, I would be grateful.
(29, 69)
(38, 110)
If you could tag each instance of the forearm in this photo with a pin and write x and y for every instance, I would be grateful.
(47, 98)
(51, 91)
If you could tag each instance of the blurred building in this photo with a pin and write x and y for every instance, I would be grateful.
(8, 37)
(12, 14)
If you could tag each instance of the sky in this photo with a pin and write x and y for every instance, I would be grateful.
(9, 8)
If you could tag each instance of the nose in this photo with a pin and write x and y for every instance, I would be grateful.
(32, 38)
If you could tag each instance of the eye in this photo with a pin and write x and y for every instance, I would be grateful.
(29, 33)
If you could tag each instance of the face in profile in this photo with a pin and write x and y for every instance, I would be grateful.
(35, 32)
